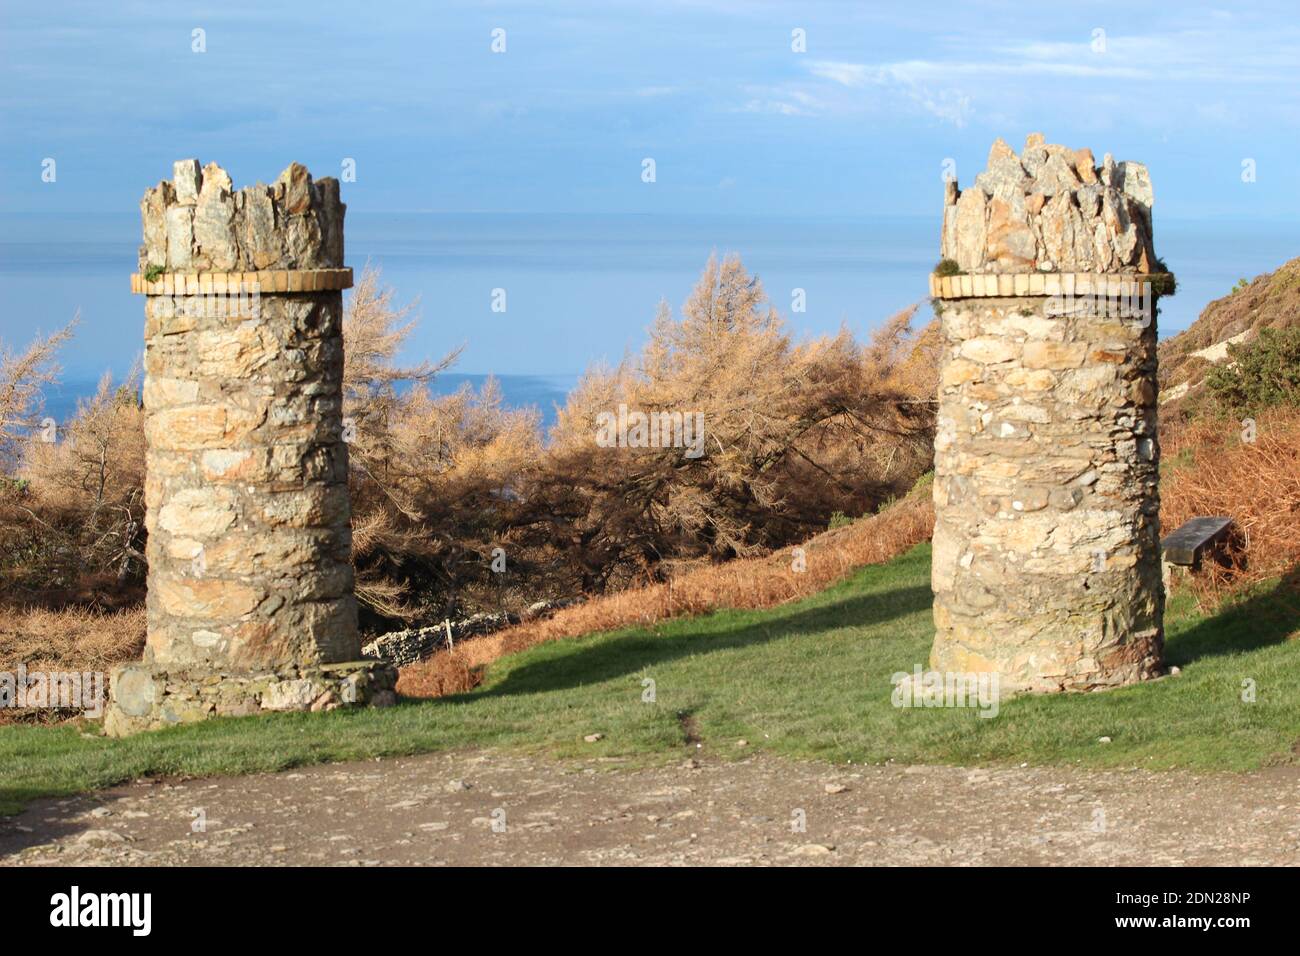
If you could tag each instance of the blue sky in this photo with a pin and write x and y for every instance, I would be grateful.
(736, 122)
(857, 128)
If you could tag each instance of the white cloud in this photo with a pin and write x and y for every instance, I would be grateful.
(965, 73)
(845, 74)
(895, 83)
(760, 105)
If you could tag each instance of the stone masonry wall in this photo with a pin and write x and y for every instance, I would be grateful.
(247, 499)
(1050, 209)
(250, 581)
(1046, 564)
(197, 222)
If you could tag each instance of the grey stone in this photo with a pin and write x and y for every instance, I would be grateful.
(180, 237)
(970, 229)
(261, 240)
(414, 644)
(214, 220)
(134, 690)
(1055, 176)
(1004, 179)
(153, 218)
(1108, 174)
(1089, 199)
(1135, 181)
(186, 178)
(1033, 159)
(289, 695)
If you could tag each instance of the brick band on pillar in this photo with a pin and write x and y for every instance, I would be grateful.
(1046, 559)
(250, 586)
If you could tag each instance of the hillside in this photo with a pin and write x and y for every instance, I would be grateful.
(1272, 300)
(807, 679)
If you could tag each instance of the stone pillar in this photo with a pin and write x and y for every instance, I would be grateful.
(250, 587)
(1046, 564)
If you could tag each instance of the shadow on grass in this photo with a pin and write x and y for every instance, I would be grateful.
(1269, 617)
(609, 659)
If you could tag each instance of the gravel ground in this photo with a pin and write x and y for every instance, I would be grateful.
(490, 808)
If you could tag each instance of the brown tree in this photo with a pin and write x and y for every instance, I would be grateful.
(791, 433)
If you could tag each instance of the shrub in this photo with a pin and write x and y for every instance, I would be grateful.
(1261, 374)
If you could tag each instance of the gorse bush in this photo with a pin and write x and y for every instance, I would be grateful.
(1261, 374)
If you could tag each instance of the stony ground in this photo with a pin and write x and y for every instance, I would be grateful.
(484, 807)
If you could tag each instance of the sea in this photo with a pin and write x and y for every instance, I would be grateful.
(533, 300)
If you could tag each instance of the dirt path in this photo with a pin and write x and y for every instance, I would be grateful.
(483, 807)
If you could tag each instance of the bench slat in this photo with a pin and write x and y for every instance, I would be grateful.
(1184, 545)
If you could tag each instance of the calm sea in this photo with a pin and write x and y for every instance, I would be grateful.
(576, 290)
(543, 392)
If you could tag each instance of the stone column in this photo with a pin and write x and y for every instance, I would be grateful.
(1046, 564)
(250, 587)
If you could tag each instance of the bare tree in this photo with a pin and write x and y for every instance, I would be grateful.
(22, 378)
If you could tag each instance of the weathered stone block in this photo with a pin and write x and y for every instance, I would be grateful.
(147, 697)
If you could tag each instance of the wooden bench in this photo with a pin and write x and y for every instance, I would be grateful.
(1194, 539)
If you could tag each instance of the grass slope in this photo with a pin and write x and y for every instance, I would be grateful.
(808, 679)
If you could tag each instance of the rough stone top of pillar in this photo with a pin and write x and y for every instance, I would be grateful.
(1050, 209)
(196, 222)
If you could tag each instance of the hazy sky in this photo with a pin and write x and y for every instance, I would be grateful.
(858, 124)
(736, 121)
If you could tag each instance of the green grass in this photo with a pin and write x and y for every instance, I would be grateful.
(810, 679)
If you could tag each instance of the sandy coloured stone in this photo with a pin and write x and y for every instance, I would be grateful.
(1054, 355)
(989, 350)
(205, 598)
